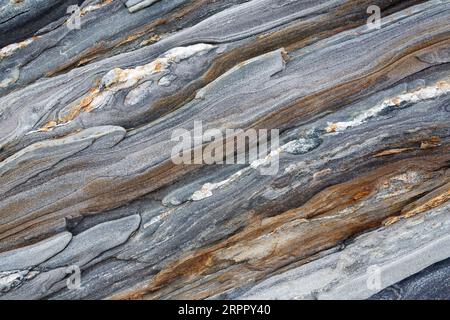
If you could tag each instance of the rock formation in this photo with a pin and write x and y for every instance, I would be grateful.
(92, 91)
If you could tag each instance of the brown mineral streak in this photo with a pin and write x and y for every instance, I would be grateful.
(83, 106)
(134, 187)
(104, 46)
(314, 233)
(432, 200)
(292, 38)
(348, 92)
(392, 151)
(289, 219)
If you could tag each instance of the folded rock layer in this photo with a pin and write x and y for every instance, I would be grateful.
(358, 207)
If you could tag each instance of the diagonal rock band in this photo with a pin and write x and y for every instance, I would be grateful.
(132, 147)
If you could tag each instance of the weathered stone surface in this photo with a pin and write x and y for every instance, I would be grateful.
(86, 121)
(431, 283)
(370, 263)
(89, 244)
(32, 255)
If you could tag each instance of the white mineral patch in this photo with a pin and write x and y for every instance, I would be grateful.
(153, 221)
(430, 92)
(134, 6)
(10, 49)
(300, 146)
(11, 279)
(94, 7)
(182, 53)
(399, 184)
(266, 160)
(117, 79)
(139, 93)
(167, 80)
(208, 188)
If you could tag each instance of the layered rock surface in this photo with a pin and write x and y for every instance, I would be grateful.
(359, 207)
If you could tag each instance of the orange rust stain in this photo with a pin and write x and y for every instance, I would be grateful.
(48, 126)
(392, 151)
(186, 268)
(361, 195)
(193, 266)
(285, 55)
(95, 7)
(282, 234)
(397, 101)
(432, 143)
(430, 201)
(442, 84)
(428, 205)
(158, 66)
(332, 128)
(128, 39)
(153, 39)
(83, 106)
(391, 220)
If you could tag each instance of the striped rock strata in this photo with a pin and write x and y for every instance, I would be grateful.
(359, 206)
